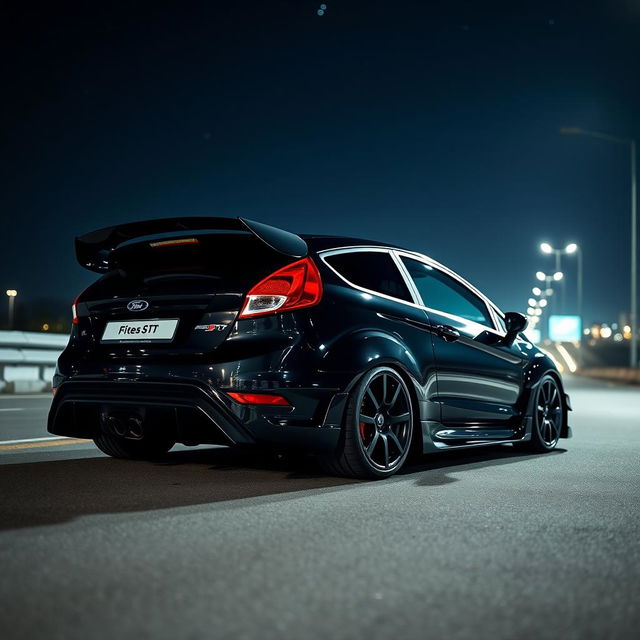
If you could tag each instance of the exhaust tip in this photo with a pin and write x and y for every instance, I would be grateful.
(117, 426)
(134, 427)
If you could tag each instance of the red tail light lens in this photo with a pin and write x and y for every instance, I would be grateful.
(295, 286)
(259, 398)
(74, 310)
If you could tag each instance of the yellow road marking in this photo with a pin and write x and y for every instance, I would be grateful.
(37, 445)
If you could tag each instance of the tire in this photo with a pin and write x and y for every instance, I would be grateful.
(146, 448)
(378, 428)
(548, 415)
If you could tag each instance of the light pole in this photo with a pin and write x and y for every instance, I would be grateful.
(548, 279)
(11, 293)
(575, 131)
(570, 249)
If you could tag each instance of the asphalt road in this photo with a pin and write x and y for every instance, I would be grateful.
(213, 544)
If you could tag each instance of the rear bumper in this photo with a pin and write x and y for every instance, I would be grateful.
(192, 413)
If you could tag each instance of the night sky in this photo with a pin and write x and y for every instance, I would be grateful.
(431, 125)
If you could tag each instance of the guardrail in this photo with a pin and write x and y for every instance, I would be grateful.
(28, 360)
(616, 374)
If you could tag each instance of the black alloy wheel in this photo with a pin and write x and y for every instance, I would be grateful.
(547, 415)
(378, 427)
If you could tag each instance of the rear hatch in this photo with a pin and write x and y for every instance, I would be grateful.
(174, 295)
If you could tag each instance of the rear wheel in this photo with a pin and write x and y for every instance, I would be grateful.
(547, 416)
(146, 448)
(377, 429)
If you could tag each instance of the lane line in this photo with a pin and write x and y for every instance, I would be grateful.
(33, 440)
(20, 396)
(13, 409)
(41, 443)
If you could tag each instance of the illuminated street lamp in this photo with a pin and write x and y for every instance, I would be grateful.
(543, 277)
(11, 293)
(575, 131)
(571, 249)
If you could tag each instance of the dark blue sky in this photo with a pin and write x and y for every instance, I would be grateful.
(432, 125)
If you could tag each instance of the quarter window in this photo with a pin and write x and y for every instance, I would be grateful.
(443, 293)
(373, 270)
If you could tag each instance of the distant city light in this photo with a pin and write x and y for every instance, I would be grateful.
(45, 327)
(605, 332)
(571, 248)
(542, 303)
(558, 275)
(12, 293)
(530, 310)
(532, 302)
(541, 275)
(536, 291)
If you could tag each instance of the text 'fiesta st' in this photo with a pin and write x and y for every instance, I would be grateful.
(229, 331)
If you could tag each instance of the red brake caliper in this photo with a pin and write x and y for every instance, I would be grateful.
(362, 428)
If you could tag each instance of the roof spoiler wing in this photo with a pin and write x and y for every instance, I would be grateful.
(93, 249)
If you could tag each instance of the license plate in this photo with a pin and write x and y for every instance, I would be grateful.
(140, 331)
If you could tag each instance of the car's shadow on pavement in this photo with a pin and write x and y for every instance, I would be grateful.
(435, 469)
(43, 493)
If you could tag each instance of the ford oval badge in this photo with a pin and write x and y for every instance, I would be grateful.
(137, 305)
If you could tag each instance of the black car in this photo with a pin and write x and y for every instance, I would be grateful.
(229, 331)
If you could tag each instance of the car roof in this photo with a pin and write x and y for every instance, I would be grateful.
(323, 243)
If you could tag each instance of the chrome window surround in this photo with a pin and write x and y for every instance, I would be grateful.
(396, 254)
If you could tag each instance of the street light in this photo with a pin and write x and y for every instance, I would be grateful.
(570, 249)
(576, 131)
(543, 277)
(11, 293)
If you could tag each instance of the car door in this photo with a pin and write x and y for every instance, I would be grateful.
(479, 381)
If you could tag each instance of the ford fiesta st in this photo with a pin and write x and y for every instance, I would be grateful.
(229, 331)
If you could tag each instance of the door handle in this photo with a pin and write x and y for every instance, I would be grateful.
(447, 333)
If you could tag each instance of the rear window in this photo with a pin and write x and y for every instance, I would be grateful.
(230, 258)
(373, 270)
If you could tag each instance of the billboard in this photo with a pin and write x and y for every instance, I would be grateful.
(565, 328)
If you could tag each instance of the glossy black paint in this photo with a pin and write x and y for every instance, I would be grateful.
(470, 385)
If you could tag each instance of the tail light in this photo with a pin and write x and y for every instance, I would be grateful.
(74, 310)
(295, 286)
(260, 398)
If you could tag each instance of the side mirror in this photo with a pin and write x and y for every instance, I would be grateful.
(515, 323)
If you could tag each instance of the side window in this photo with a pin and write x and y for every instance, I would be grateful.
(373, 270)
(442, 293)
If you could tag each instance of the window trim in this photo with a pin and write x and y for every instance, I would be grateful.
(396, 255)
(376, 249)
(490, 307)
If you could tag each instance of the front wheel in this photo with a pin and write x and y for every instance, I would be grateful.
(548, 415)
(377, 429)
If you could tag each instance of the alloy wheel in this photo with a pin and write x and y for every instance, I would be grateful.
(385, 421)
(549, 413)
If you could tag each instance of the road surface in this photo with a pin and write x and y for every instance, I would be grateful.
(213, 544)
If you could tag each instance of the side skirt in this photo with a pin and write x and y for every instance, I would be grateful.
(438, 437)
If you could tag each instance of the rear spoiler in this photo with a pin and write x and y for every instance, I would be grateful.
(93, 249)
